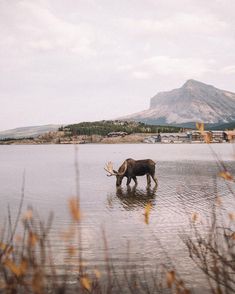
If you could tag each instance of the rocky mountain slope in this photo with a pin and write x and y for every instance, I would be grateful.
(194, 101)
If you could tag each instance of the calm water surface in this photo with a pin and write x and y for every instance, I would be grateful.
(187, 176)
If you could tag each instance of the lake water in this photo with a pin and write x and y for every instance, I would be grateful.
(187, 176)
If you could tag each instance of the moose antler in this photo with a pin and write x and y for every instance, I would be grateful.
(109, 169)
(123, 168)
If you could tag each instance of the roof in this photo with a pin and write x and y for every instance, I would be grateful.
(173, 135)
(231, 133)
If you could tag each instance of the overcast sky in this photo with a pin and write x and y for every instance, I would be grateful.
(66, 61)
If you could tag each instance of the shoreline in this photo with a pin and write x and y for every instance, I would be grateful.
(137, 138)
(112, 143)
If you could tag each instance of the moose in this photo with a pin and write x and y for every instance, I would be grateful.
(131, 169)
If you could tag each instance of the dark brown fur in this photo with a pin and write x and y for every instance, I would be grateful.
(137, 168)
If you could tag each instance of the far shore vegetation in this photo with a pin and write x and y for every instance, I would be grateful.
(94, 132)
(119, 131)
(104, 127)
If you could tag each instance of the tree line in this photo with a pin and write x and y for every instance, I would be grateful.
(104, 127)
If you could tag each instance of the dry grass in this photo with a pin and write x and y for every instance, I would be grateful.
(132, 138)
(214, 251)
(27, 262)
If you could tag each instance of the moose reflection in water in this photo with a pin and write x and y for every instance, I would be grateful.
(132, 198)
(131, 169)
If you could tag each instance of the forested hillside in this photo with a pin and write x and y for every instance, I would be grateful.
(104, 127)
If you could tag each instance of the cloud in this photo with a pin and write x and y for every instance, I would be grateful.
(141, 74)
(166, 66)
(64, 54)
(230, 69)
(34, 27)
(180, 23)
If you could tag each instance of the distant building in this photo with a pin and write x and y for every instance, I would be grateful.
(192, 137)
(174, 137)
(117, 134)
(152, 139)
(230, 136)
(218, 136)
(196, 136)
(168, 138)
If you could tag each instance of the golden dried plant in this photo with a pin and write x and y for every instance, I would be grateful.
(74, 209)
(147, 210)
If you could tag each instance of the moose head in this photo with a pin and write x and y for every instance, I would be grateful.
(119, 174)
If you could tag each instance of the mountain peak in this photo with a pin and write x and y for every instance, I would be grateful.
(193, 83)
(194, 101)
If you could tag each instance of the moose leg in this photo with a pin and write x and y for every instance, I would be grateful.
(135, 180)
(154, 179)
(128, 181)
(148, 180)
